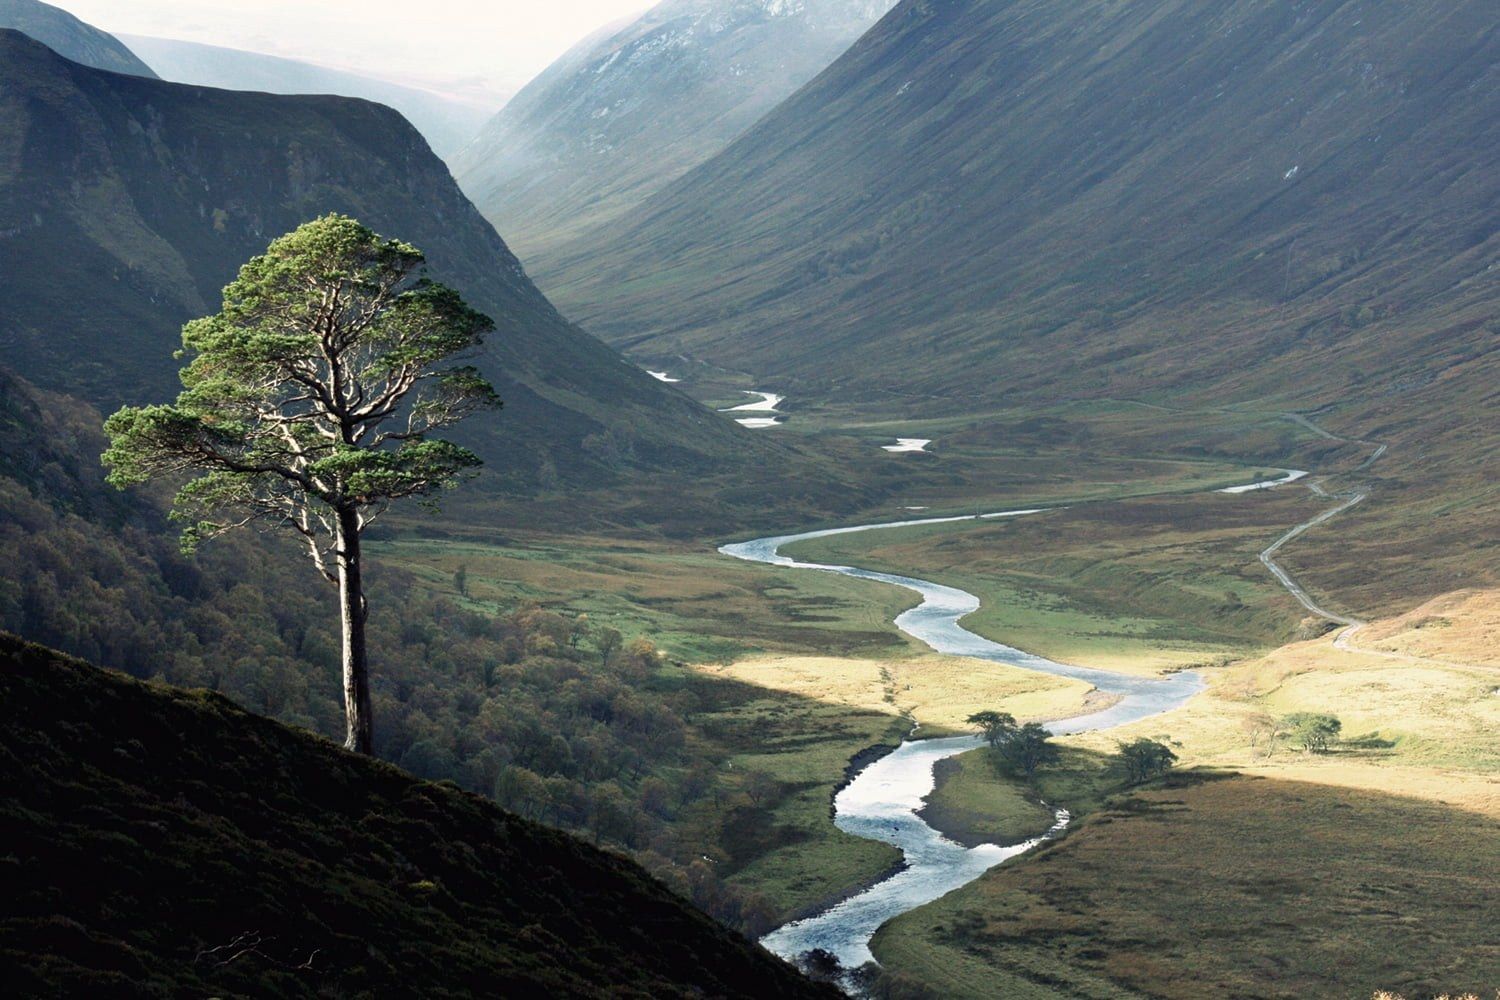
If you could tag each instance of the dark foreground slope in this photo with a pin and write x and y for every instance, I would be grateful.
(632, 108)
(1173, 196)
(127, 204)
(162, 842)
(74, 39)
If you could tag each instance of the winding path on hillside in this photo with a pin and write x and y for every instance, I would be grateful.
(1285, 577)
(1351, 626)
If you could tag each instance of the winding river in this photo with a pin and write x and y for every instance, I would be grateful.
(881, 803)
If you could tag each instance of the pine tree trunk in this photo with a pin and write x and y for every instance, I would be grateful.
(360, 730)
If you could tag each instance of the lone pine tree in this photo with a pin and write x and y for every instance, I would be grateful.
(307, 403)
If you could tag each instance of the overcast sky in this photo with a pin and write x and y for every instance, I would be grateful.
(468, 46)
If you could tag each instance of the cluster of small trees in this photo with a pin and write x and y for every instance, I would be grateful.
(1022, 750)
(1019, 749)
(563, 726)
(1143, 759)
(1310, 732)
(559, 719)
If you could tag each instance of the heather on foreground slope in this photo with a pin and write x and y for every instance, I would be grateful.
(161, 841)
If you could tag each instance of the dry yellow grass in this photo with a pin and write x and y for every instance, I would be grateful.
(1426, 729)
(1310, 875)
(1463, 626)
(942, 692)
(937, 692)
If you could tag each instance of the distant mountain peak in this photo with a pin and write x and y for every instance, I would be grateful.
(71, 38)
(630, 109)
(446, 124)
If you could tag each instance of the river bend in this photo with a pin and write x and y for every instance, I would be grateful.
(881, 803)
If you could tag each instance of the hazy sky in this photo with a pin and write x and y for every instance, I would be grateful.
(469, 46)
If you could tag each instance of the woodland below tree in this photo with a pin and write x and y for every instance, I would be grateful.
(524, 706)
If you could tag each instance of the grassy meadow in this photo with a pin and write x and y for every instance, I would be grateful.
(935, 693)
(973, 804)
(787, 754)
(1224, 885)
(668, 581)
(1312, 861)
(1142, 585)
(695, 604)
(1248, 872)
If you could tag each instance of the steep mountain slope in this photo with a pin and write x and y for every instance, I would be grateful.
(1234, 200)
(74, 39)
(165, 842)
(446, 124)
(629, 110)
(127, 204)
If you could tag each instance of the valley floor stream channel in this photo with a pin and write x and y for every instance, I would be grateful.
(882, 801)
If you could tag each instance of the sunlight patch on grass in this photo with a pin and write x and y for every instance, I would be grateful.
(1463, 626)
(1171, 892)
(1401, 719)
(936, 692)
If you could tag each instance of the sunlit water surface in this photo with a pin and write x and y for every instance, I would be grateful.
(881, 803)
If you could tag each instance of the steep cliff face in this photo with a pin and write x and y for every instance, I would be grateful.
(631, 109)
(127, 204)
(163, 842)
(71, 38)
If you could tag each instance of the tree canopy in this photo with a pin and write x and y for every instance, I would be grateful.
(313, 389)
(995, 727)
(1019, 749)
(1028, 749)
(307, 403)
(1143, 759)
(1314, 732)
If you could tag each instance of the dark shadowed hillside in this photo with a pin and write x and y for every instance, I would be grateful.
(502, 697)
(127, 204)
(447, 124)
(1288, 199)
(74, 39)
(161, 842)
(630, 109)
(1288, 206)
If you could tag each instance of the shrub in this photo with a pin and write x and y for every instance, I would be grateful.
(1314, 732)
(1144, 759)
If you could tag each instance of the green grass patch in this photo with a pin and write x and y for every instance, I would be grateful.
(974, 803)
(787, 755)
(1153, 583)
(695, 604)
